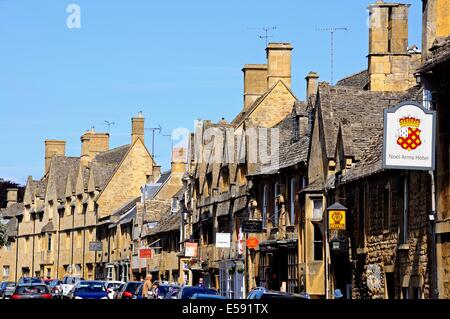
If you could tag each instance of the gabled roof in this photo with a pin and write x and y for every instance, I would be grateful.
(440, 53)
(243, 115)
(14, 210)
(358, 80)
(60, 169)
(358, 112)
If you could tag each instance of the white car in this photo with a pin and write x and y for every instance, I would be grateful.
(112, 287)
(68, 284)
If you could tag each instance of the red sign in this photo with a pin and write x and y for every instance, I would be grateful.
(145, 253)
(252, 243)
(191, 250)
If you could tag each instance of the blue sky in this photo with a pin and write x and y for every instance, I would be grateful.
(177, 61)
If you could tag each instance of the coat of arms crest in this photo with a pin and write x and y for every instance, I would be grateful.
(409, 133)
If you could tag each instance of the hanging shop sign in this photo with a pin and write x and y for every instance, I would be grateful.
(409, 137)
(223, 240)
(191, 250)
(145, 253)
(252, 226)
(252, 243)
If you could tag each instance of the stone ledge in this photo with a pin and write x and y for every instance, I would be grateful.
(361, 251)
(403, 247)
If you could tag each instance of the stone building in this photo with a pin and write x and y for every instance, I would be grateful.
(222, 157)
(434, 75)
(64, 210)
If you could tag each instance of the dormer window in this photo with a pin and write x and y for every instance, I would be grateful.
(295, 128)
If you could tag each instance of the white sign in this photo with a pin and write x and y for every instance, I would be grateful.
(409, 137)
(223, 240)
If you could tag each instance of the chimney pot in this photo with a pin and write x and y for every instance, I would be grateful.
(311, 84)
(255, 82)
(11, 196)
(137, 128)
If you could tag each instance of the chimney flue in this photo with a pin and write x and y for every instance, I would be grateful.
(53, 148)
(11, 196)
(279, 63)
(255, 82)
(311, 84)
(137, 128)
(93, 143)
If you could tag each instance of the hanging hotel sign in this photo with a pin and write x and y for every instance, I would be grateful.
(145, 253)
(409, 137)
(337, 219)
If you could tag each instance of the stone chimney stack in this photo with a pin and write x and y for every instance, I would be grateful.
(279, 63)
(53, 148)
(311, 84)
(255, 82)
(137, 128)
(435, 23)
(93, 143)
(179, 161)
(391, 65)
(11, 196)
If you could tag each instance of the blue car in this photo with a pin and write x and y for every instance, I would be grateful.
(89, 290)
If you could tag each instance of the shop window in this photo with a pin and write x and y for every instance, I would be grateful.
(390, 285)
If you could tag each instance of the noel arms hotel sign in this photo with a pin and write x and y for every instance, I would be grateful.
(409, 137)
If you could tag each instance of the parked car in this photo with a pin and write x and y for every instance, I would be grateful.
(55, 287)
(207, 296)
(7, 289)
(31, 291)
(30, 280)
(263, 293)
(68, 284)
(128, 290)
(187, 292)
(113, 287)
(163, 290)
(173, 292)
(89, 290)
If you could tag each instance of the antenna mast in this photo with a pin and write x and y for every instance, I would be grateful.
(109, 125)
(332, 31)
(266, 35)
(153, 129)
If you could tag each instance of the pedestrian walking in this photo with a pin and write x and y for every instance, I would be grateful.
(148, 285)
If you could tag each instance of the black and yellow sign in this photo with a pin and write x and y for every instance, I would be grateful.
(336, 219)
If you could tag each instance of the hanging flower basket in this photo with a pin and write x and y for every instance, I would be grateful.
(232, 270)
(240, 269)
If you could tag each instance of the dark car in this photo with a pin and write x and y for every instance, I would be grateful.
(31, 291)
(30, 280)
(128, 290)
(89, 290)
(163, 290)
(264, 294)
(173, 292)
(188, 291)
(7, 289)
(208, 297)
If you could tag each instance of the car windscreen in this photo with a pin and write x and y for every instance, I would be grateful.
(10, 285)
(70, 280)
(187, 293)
(114, 285)
(132, 286)
(32, 290)
(275, 296)
(90, 288)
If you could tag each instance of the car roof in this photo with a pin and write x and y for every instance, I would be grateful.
(31, 284)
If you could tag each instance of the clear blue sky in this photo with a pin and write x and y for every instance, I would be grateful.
(177, 61)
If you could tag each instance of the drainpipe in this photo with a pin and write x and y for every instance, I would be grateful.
(59, 245)
(432, 218)
(84, 243)
(32, 258)
(17, 250)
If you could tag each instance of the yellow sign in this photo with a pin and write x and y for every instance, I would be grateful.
(337, 219)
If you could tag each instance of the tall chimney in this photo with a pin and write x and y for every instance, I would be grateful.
(93, 143)
(391, 65)
(137, 128)
(279, 63)
(435, 23)
(179, 161)
(311, 84)
(255, 82)
(53, 148)
(11, 196)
